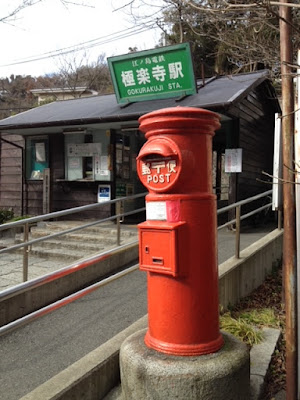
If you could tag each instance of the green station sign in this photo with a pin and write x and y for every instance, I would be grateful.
(152, 74)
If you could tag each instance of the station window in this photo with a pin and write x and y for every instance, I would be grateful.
(37, 157)
(87, 156)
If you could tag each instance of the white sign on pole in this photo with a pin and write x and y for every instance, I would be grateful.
(277, 166)
(233, 160)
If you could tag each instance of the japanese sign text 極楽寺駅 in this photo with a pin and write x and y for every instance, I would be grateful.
(159, 73)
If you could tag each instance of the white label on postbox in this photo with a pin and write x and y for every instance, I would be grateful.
(156, 210)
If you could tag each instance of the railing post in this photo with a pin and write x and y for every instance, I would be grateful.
(118, 212)
(237, 231)
(25, 253)
(279, 216)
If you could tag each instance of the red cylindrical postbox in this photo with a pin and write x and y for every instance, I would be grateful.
(178, 247)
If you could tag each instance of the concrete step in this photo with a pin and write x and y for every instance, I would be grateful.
(61, 254)
(79, 237)
(77, 240)
(84, 246)
(78, 244)
(102, 229)
(92, 234)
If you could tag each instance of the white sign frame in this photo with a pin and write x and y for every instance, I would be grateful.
(277, 166)
(233, 160)
(104, 195)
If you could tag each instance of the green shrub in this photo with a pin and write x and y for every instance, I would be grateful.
(19, 218)
(5, 215)
(241, 329)
(263, 317)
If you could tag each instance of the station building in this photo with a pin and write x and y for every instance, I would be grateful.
(90, 142)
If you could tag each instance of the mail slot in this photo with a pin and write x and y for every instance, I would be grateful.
(161, 245)
(159, 164)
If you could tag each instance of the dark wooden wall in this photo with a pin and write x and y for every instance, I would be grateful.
(34, 197)
(256, 138)
(11, 173)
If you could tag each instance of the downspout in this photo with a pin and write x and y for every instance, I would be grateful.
(23, 169)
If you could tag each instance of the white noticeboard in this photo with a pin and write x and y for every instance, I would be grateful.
(104, 193)
(277, 166)
(233, 160)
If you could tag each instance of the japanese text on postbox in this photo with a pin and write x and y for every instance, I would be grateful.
(159, 171)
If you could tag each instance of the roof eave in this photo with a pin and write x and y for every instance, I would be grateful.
(81, 121)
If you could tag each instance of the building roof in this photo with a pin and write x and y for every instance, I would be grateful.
(77, 89)
(217, 94)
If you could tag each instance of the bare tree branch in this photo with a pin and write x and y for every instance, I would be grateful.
(11, 15)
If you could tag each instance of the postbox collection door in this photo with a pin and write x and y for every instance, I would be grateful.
(159, 248)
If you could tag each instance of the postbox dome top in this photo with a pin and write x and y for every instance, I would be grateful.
(180, 118)
(182, 111)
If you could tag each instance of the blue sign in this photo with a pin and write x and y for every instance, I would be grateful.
(103, 193)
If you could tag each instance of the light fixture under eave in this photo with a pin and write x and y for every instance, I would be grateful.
(130, 129)
(72, 132)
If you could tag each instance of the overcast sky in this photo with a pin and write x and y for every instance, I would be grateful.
(40, 31)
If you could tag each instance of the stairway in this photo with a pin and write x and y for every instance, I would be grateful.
(79, 244)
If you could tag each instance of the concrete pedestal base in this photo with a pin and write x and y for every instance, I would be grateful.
(147, 374)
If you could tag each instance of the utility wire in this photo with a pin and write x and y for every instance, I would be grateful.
(88, 44)
(74, 46)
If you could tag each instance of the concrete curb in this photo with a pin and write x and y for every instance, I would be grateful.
(97, 375)
(260, 358)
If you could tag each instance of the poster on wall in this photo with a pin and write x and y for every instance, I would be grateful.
(233, 160)
(74, 162)
(40, 152)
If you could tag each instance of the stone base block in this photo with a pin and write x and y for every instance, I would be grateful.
(149, 375)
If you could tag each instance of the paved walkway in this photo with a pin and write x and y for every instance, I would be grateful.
(11, 268)
(11, 264)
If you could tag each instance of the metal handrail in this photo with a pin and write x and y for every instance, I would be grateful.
(69, 211)
(83, 264)
(5, 294)
(52, 276)
(243, 202)
(77, 228)
(238, 217)
(89, 261)
(32, 220)
(242, 217)
(27, 243)
(64, 301)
